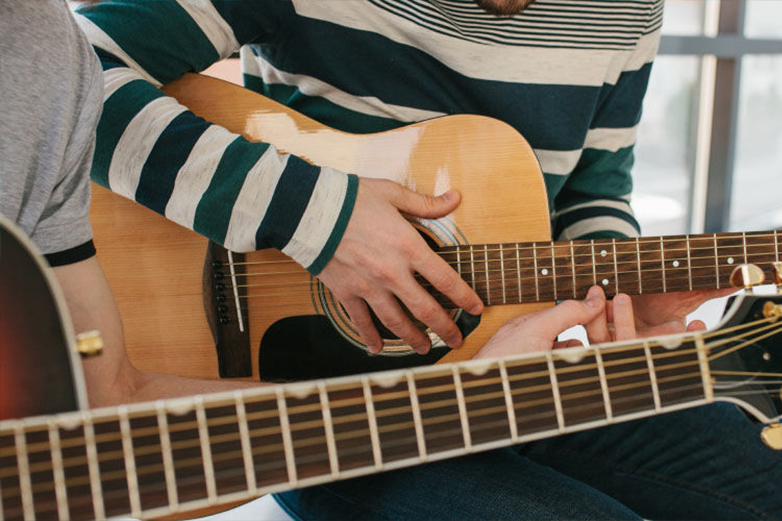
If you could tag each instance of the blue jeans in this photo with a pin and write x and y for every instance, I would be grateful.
(705, 463)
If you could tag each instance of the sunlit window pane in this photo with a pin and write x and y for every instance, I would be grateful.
(757, 180)
(665, 156)
(764, 19)
(684, 17)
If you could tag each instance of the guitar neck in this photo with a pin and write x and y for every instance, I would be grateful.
(155, 458)
(516, 273)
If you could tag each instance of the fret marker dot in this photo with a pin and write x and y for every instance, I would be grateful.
(544, 271)
(675, 264)
(603, 253)
(605, 282)
(730, 260)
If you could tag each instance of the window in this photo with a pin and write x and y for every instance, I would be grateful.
(709, 153)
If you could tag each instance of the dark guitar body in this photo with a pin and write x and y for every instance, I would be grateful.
(36, 365)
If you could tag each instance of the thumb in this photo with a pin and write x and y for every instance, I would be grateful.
(424, 205)
(554, 321)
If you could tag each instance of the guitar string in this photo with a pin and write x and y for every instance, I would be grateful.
(193, 442)
(41, 447)
(509, 278)
(577, 395)
(280, 465)
(644, 384)
(223, 456)
(752, 327)
(605, 352)
(510, 264)
(543, 294)
(478, 249)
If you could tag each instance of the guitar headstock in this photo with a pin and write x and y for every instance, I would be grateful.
(745, 354)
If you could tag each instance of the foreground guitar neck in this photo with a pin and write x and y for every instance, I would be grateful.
(514, 273)
(156, 458)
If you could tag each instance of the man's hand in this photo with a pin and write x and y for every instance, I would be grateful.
(538, 331)
(377, 257)
(653, 315)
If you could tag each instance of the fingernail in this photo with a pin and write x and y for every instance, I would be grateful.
(450, 195)
(476, 310)
(455, 342)
(594, 292)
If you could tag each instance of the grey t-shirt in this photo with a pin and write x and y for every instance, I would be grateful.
(51, 93)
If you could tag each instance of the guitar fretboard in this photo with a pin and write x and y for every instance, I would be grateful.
(152, 459)
(514, 273)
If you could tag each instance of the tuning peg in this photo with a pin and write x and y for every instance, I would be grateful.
(772, 436)
(89, 344)
(746, 276)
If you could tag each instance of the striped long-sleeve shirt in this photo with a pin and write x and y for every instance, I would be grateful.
(570, 75)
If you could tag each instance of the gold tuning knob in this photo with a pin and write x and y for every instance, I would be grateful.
(746, 276)
(772, 436)
(89, 344)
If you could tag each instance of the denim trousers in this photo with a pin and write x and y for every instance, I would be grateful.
(703, 463)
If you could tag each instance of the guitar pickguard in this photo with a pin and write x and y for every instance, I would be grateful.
(308, 347)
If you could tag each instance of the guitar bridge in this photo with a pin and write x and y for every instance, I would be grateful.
(225, 304)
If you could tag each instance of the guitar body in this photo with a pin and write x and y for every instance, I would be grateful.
(155, 267)
(36, 336)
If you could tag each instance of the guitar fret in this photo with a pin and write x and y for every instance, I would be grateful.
(130, 462)
(744, 243)
(555, 390)
(168, 458)
(554, 270)
(472, 266)
(716, 262)
(372, 420)
(244, 434)
(328, 426)
(518, 270)
(604, 385)
(502, 274)
(662, 262)
(573, 268)
(486, 264)
(287, 437)
(92, 465)
(776, 245)
(457, 379)
(638, 260)
(703, 360)
(535, 266)
(616, 268)
(206, 450)
(594, 263)
(58, 471)
(416, 410)
(689, 264)
(652, 377)
(514, 431)
(459, 262)
(23, 465)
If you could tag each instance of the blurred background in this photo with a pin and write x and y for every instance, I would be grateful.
(709, 154)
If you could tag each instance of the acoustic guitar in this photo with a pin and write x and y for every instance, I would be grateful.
(59, 460)
(180, 297)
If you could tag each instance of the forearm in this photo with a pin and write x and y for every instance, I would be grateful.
(242, 195)
(110, 377)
